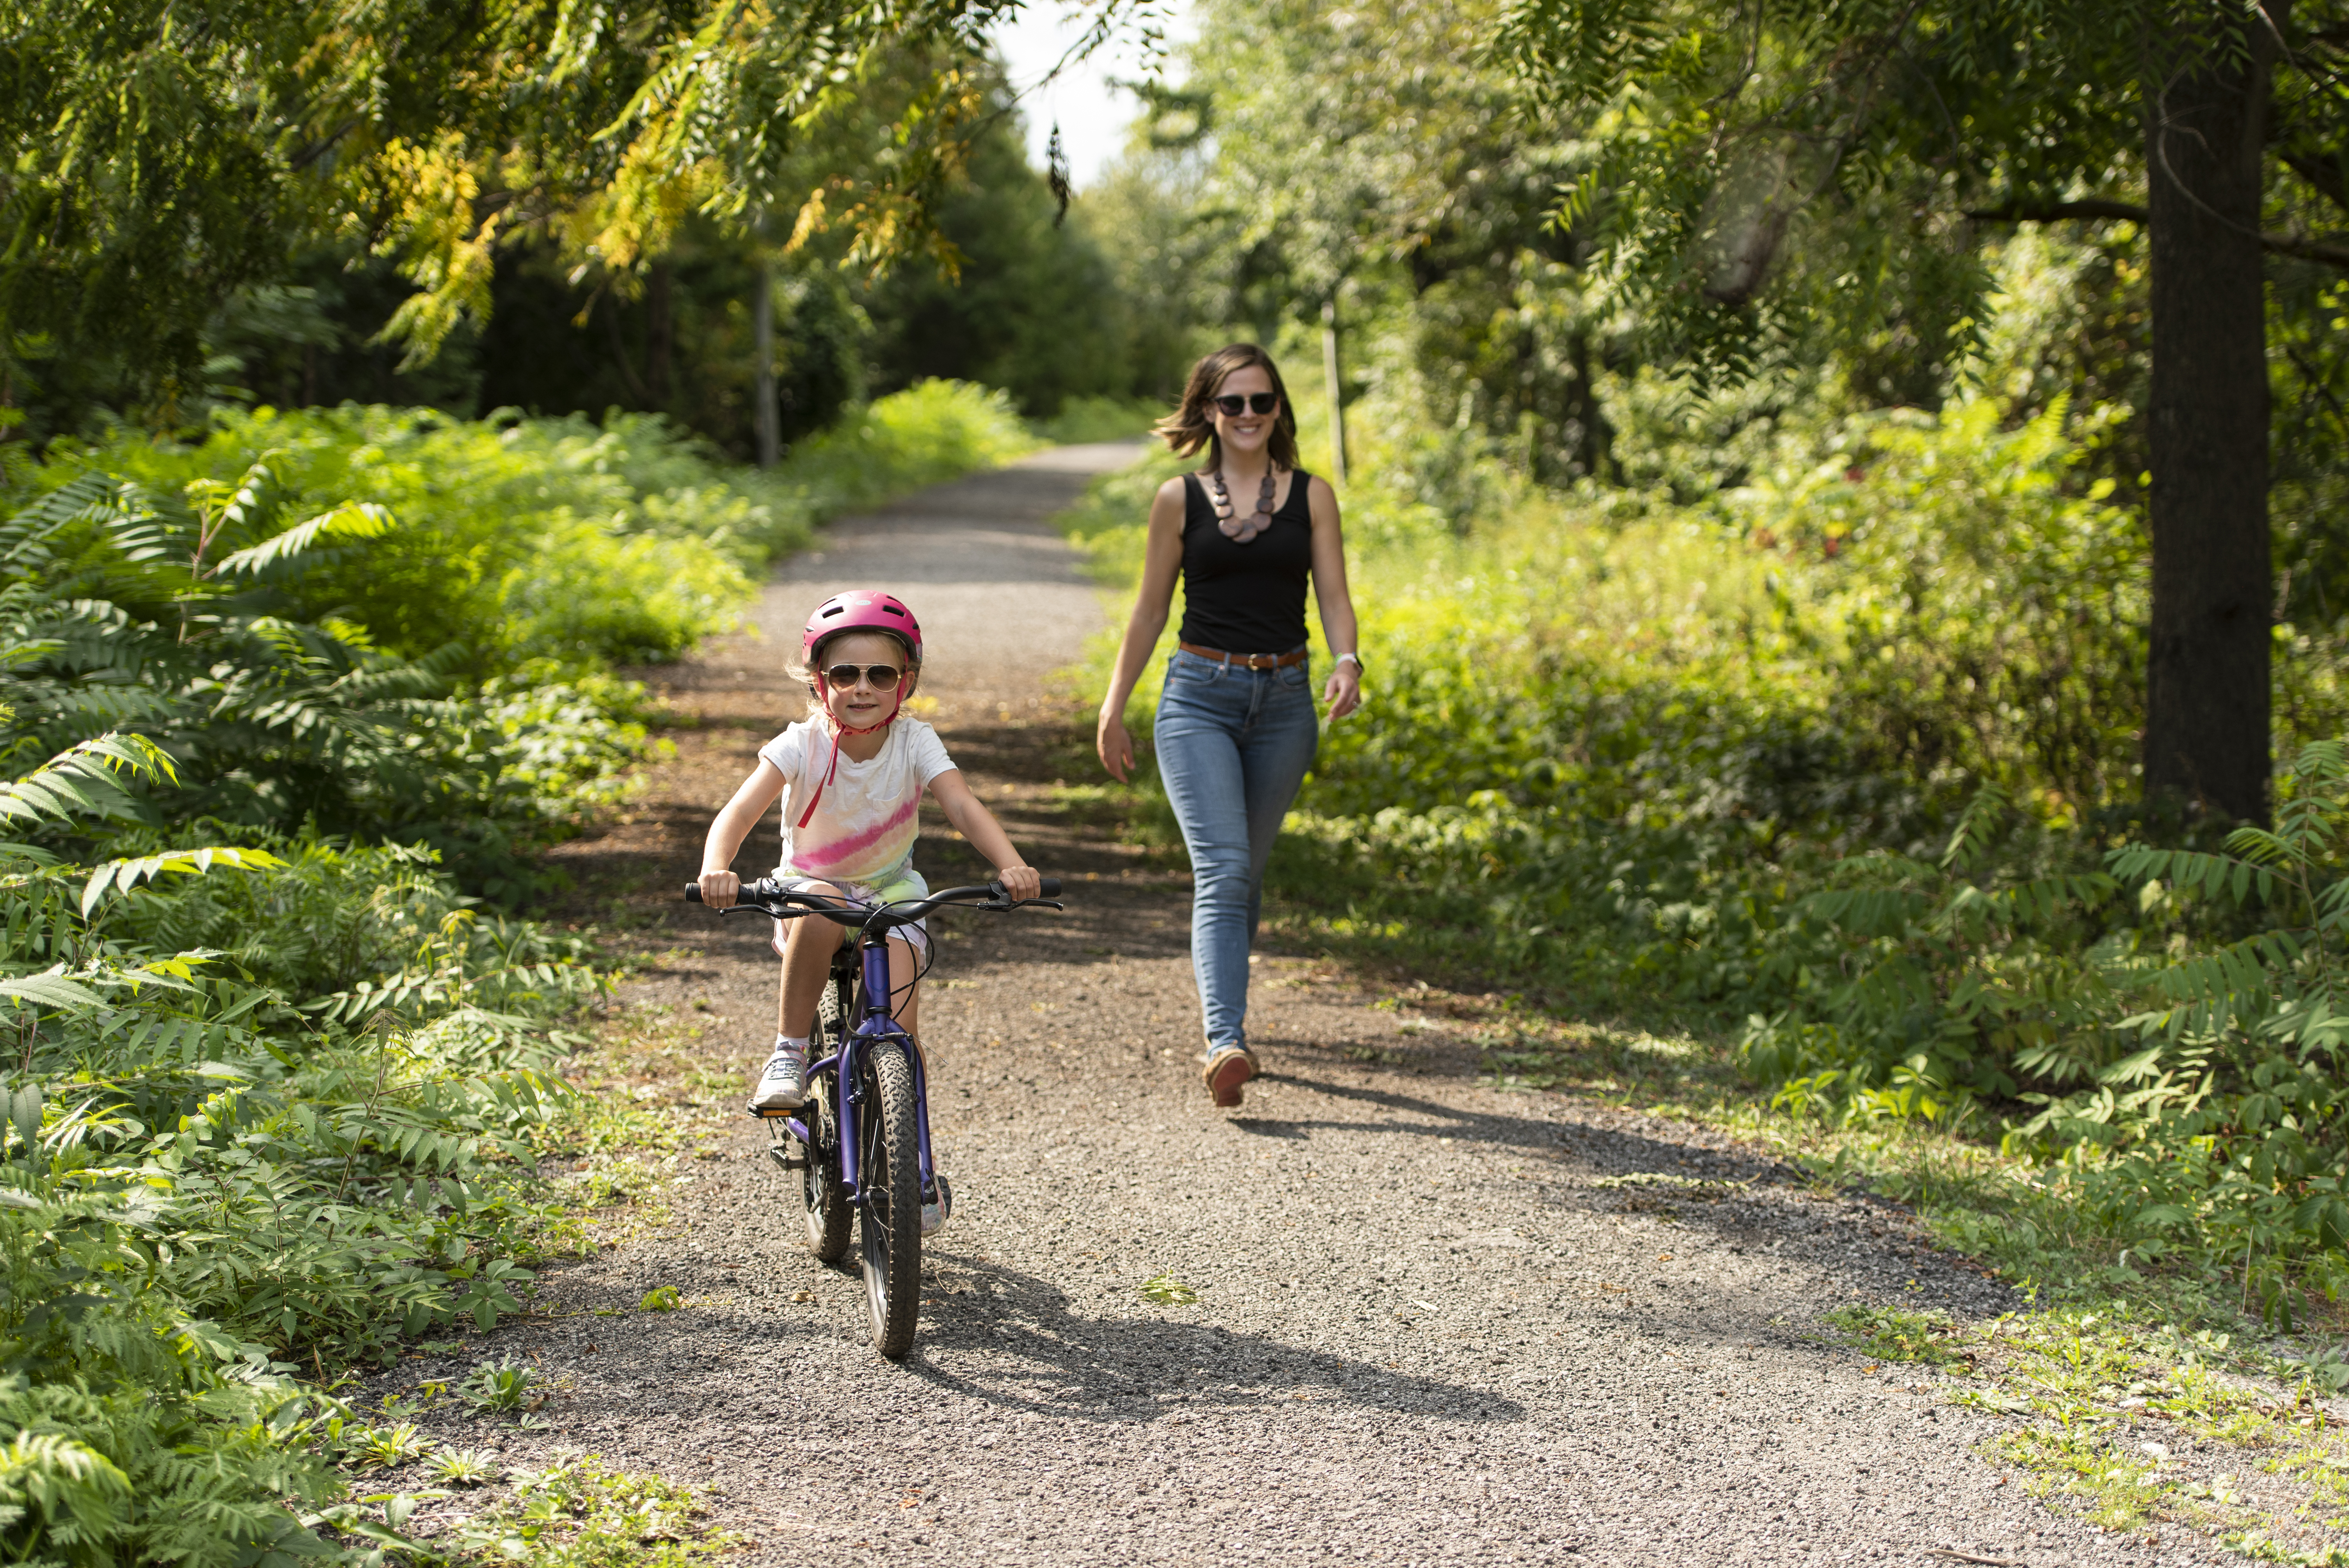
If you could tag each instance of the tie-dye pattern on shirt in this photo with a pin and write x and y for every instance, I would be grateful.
(867, 818)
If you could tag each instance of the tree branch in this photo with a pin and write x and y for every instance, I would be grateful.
(2056, 211)
(2323, 175)
(2059, 212)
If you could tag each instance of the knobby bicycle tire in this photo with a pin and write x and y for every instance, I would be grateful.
(892, 1225)
(829, 1211)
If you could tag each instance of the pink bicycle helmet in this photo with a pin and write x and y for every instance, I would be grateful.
(862, 610)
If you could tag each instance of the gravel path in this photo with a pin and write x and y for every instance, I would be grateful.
(1431, 1321)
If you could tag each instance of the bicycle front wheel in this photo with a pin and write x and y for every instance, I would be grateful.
(892, 1222)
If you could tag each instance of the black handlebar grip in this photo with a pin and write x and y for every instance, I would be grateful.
(1050, 888)
(693, 893)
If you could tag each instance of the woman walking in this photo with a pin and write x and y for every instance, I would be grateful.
(1235, 727)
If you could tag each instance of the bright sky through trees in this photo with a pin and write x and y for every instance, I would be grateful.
(1094, 112)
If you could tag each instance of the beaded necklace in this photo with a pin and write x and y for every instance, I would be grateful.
(1238, 529)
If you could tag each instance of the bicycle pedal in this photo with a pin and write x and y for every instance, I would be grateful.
(790, 1156)
(937, 1207)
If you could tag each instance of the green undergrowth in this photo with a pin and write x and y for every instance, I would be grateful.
(1828, 771)
(272, 1110)
(1805, 810)
(269, 1110)
(517, 543)
(651, 1111)
(392, 626)
(2131, 1422)
(579, 1513)
(284, 718)
(1098, 418)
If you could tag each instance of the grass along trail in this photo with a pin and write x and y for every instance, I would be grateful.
(1386, 1312)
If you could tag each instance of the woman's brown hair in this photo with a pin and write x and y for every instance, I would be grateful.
(1191, 427)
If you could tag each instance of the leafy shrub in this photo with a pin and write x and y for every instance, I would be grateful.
(1097, 419)
(489, 544)
(306, 1137)
(932, 432)
(502, 540)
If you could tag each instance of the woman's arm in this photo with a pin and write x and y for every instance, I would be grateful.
(1343, 690)
(735, 821)
(1161, 566)
(974, 821)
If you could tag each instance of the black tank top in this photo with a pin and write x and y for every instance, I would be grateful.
(1246, 598)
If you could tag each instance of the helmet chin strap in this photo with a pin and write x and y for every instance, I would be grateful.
(832, 722)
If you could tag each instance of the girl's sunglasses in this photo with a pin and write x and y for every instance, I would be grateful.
(1233, 405)
(847, 675)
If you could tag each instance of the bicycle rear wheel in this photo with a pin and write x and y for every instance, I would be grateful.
(829, 1210)
(892, 1225)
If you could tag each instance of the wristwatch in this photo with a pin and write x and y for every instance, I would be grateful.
(1353, 659)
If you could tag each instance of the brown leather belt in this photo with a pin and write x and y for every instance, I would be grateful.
(1246, 661)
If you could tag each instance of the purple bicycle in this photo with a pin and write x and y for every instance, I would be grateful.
(860, 1141)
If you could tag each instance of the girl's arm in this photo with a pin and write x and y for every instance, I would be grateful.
(740, 815)
(1343, 690)
(1161, 565)
(975, 823)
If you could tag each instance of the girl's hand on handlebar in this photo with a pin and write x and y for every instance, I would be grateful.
(1115, 747)
(719, 889)
(1021, 882)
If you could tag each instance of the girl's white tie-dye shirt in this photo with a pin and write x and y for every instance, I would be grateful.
(863, 826)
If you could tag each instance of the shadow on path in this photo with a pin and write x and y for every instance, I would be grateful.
(1126, 1369)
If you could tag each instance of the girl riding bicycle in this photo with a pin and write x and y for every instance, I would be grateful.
(851, 775)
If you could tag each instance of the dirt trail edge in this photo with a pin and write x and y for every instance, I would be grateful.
(1426, 1319)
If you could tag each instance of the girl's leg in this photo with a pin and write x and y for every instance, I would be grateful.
(1196, 736)
(808, 945)
(1275, 748)
(905, 993)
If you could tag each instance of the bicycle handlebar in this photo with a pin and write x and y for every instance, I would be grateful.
(771, 897)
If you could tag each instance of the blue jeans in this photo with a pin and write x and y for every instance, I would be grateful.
(1233, 746)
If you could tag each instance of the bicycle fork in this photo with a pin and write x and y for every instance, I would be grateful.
(876, 1026)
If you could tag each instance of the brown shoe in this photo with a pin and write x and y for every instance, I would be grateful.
(1229, 1067)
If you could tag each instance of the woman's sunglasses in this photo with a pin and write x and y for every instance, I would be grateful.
(1232, 404)
(847, 675)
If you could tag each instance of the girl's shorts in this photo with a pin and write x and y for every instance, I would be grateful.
(907, 884)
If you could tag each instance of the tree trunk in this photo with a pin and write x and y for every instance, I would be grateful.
(762, 338)
(1337, 386)
(660, 335)
(2205, 729)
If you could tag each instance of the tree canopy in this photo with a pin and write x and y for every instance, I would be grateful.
(161, 155)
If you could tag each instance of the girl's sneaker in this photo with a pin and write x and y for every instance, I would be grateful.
(938, 1206)
(1229, 1066)
(782, 1083)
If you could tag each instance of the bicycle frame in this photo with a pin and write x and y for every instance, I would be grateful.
(878, 1024)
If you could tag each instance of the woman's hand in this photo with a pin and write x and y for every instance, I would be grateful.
(1115, 747)
(719, 889)
(1343, 690)
(1020, 882)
